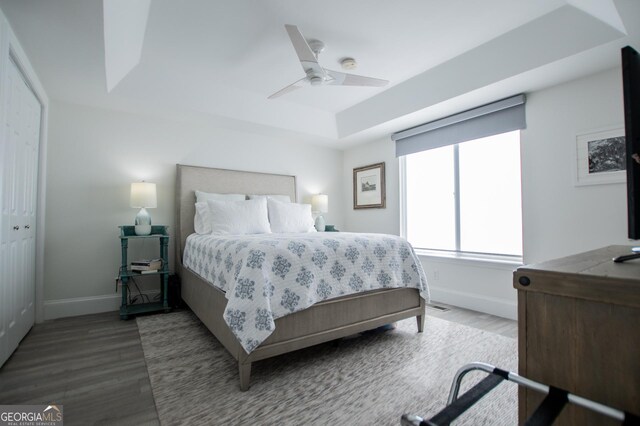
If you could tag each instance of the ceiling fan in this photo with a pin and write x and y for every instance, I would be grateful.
(317, 75)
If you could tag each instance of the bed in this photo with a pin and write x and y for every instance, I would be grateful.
(323, 321)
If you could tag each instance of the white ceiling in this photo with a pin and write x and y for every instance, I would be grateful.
(223, 58)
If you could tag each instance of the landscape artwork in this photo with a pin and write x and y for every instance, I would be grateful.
(368, 183)
(607, 155)
(369, 187)
(601, 157)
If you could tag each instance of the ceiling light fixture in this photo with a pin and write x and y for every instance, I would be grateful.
(349, 64)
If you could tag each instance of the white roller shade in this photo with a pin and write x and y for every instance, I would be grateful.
(491, 119)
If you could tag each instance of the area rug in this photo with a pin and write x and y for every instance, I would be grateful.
(369, 379)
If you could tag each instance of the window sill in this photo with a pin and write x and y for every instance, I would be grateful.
(486, 260)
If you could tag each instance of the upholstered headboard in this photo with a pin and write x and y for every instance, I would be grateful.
(192, 178)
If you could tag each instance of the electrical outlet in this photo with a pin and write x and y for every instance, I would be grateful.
(436, 275)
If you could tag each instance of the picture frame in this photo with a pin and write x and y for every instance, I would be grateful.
(601, 157)
(369, 187)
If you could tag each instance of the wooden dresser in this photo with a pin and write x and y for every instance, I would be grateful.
(579, 329)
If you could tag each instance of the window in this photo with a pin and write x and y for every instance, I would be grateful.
(465, 197)
(461, 181)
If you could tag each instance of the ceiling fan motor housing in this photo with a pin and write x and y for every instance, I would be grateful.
(316, 80)
(317, 46)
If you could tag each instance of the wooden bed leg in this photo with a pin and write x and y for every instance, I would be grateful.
(245, 375)
(420, 319)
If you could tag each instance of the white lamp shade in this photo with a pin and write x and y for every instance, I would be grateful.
(320, 203)
(143, 194)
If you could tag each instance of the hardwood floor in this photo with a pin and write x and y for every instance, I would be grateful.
(492, 323)
(94, 366)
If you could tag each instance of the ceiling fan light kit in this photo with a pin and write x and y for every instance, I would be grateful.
(316, 75)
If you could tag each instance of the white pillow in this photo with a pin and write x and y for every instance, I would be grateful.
(239, 217)
(201, 221)
(283, 198)
(290, 217)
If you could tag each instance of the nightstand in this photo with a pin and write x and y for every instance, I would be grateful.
(127, 232)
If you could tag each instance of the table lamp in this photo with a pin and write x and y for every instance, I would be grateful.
(320, 204)
(143, 196)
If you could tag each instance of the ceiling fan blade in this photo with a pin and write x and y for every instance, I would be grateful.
(290, 88)
(343, 79)
(306, 56)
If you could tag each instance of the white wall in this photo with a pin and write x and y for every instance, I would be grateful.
(559, 218)
(94, 154)
(386, 220)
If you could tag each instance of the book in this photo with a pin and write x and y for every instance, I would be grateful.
(145, 261)
(146, 265)
(144, 268)
(150, 271)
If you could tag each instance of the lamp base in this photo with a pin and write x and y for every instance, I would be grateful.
(320, 223)
(143, 229)
(143, 222)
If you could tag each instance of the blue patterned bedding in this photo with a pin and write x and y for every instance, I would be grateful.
(268, 276)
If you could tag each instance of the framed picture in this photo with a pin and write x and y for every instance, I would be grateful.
(601, 157)
(369, 187)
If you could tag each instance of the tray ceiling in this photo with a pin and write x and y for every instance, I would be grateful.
(224, 58)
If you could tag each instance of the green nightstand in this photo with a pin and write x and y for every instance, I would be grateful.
(127, 232)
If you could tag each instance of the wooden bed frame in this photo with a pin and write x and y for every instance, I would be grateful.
(322, 322)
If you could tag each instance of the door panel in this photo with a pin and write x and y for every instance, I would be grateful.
(7, 305)
(18, 209)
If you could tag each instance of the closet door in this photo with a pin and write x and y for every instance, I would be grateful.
(19, 195)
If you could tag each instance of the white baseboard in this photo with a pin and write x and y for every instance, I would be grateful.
(489, 305)
(85, 305)
(111, 302)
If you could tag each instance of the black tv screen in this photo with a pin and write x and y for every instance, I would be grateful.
(631, 90)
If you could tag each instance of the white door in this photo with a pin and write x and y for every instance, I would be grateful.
(18, 209)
